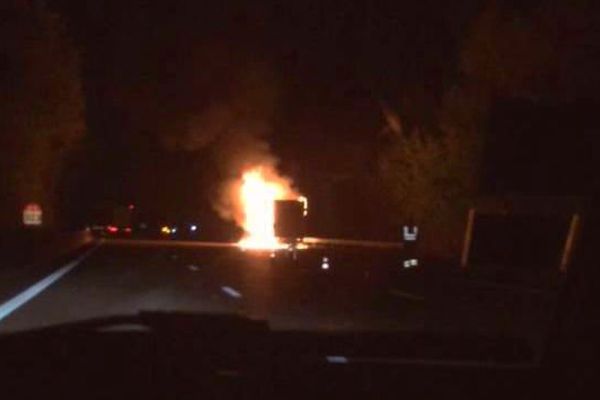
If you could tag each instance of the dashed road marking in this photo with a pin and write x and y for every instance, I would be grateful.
(409, 296)
(231, 292)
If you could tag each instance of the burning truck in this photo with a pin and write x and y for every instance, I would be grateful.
(290, 226)
(273, 214)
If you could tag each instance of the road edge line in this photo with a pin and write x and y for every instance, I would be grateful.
(10, 306)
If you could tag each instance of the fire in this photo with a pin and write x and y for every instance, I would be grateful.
(258, 191)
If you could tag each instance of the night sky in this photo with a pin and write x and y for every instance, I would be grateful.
(152, 70)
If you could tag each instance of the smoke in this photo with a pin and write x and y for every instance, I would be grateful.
(235, 153)
(234, 132)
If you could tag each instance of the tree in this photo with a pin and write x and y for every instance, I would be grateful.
(540, 52)
(41, 107)
(432, 173)
(535, 51)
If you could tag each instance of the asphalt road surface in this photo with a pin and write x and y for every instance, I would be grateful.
(360, 288)
(357, 289)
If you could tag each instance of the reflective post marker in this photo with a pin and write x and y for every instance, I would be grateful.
(464, 259)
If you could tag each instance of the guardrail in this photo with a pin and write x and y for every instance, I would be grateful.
(354, 243)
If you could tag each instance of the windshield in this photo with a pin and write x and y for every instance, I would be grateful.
(351, 166)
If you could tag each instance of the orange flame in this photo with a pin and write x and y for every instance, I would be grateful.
(258, 192)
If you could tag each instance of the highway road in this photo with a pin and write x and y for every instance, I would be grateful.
(360, 289)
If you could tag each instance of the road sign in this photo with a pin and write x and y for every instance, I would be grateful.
(410, 235)
(32, 215)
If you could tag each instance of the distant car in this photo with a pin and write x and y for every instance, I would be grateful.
(182, 231)
(111, 231)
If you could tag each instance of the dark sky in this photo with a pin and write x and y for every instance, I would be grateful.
(149, 65)
(327, 58)
(153, 69)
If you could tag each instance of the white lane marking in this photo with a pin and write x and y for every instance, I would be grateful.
(13, 304)
(231, 292)
(409, 296)
(336, 359)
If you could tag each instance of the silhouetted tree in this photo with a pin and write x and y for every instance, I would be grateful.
(547, 50)
(41, 106)
(432, 171)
